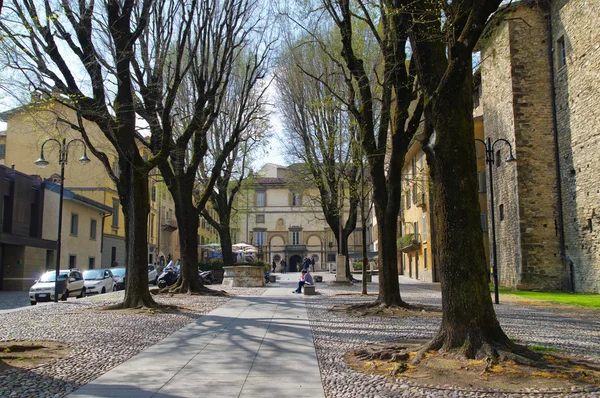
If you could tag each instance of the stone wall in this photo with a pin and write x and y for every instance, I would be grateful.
(498, 122)
(517, 107)
(578, 113)
(536, 168)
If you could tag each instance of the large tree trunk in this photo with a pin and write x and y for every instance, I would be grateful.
(469, 325)
(225, 237)
(134, 196)
(389, 288)
(188, 223)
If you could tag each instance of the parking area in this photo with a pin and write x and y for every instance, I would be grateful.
(13, 300)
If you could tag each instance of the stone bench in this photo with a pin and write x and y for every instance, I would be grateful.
(309, 290)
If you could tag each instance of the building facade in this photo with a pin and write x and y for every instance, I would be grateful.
(285, 222)
(540, 77)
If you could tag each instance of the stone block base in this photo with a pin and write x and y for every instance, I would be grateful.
(309, 290)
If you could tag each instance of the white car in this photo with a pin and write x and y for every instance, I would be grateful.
(43, 289)
(152, 274)
(98, 281)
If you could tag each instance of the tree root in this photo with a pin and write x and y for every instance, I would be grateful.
(181, 288)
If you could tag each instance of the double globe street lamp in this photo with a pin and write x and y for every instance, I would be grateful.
(490, 160)
(63, 157)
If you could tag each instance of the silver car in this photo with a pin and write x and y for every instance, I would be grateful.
(152, 274)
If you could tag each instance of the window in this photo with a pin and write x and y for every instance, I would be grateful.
(498, 158)
(424, 228)
(414, 166)
(561, 52)
(2, 151)
(331, 257)
(93, 227)
(74, 224)
(482, 181)
(484, 222)
(115, 213)
(422, 160)
(91, 263)
(72, 261)
(415, 193)
(260, 238)
(501, 208)
(479, 149)
(260, 199)
(151, 226)
(407, 195)
(296, 199)
(295, 237)
(415, 229)
(113, 255)
(154, 193)
(260, 219)
(425, 258)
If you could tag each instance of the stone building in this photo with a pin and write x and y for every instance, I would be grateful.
(285, 222)
(540, 76)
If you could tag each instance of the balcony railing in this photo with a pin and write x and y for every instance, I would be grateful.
(409, 242)
(295, 248)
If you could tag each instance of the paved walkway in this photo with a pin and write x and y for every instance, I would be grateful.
(249, 347)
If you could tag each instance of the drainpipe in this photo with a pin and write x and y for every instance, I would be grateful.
(560, 221)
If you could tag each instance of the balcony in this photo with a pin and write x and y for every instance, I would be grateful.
(295, 248)
(169, 225)
(409, 242)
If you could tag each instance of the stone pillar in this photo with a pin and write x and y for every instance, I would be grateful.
(340, 274)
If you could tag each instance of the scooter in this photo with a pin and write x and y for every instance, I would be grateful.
(206, 277)
(168, 277)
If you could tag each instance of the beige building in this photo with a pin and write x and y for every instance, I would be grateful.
(288, 223)
(540, 77)
(81, 235)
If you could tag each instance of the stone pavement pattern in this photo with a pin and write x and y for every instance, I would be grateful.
(251, 347)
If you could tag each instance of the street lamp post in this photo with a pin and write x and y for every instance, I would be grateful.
(489, 159)
(63, 157)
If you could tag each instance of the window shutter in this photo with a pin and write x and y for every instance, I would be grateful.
(482, 182)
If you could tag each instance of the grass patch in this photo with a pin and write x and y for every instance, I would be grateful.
(577, 299)
(541, 348)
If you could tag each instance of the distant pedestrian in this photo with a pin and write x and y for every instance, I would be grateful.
(283, 266)
(305, 279)
(274, 265)
(312, 262)
(115, 264)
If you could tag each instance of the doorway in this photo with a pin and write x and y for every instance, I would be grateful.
(294, 261)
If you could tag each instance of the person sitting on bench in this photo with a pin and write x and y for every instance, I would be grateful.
(305, 279)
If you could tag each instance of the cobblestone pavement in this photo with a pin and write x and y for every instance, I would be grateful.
(335, 334)
(100, 340)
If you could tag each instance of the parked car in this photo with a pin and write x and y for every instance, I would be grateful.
(98, 281)
(70, 279)
(152, 274)
(119, 277)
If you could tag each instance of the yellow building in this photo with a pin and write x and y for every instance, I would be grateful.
(288, 223)
(416, 228)
(29, 126)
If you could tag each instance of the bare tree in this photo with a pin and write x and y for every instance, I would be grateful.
(320, 134)
(249, 121)
(228, 41)
(88, 51)
(380, 104)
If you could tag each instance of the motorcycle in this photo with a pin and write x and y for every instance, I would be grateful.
(168, 277)
(206, 277)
